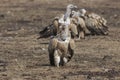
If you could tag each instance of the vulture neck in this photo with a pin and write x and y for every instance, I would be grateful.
(67, 14)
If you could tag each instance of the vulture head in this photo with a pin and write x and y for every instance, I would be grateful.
(69, 9)
(71, 6)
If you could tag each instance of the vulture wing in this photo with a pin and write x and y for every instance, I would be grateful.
(96, 24)
(50, 30)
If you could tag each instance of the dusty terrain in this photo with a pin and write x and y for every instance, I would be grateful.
(23, 57)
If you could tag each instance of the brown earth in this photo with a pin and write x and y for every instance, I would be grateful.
(23, 57)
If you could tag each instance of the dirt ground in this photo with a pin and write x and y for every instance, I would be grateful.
(23, 57)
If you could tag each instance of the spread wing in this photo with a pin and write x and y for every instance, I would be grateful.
(96, 24)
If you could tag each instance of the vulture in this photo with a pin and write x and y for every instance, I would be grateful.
(80, 23)
(61, 47)
(96, 24)
(52, 29)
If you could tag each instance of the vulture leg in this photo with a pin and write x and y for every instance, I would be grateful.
(51, 59)
(56, 58)
(82, 35)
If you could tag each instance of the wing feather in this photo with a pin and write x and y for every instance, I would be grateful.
(96, 24)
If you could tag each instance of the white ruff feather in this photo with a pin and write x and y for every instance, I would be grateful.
(56, 58)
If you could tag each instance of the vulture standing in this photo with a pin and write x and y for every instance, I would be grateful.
(80, 23)
(61, 47)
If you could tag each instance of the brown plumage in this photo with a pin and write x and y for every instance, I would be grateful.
(50, 30)
(96, 24)
(53, 29)
(61, 50)
(81, 27)
(80, 23)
